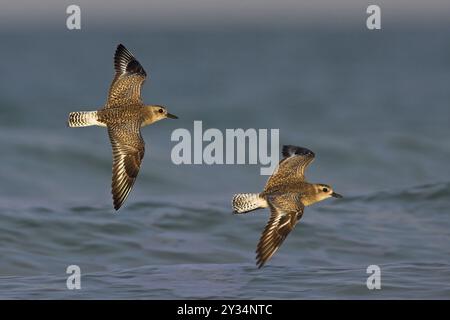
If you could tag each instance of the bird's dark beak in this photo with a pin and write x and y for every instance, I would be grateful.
(171, 116)
(336, 195)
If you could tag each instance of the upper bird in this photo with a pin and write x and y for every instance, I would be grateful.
(286, 194)
(123, 114)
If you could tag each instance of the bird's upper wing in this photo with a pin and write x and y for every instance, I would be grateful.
(128, 149)
(126, 86)
(292, 167)
(285, 210)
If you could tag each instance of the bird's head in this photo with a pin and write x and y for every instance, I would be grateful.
(159, 112)
(322, 192)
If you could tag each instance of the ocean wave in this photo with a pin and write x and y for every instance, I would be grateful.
(426, 192)
(408, 280)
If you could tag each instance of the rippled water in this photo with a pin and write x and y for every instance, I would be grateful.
(373, 108)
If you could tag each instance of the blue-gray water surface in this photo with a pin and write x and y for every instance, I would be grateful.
(374, 107)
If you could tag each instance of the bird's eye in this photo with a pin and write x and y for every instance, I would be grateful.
(325, 190)
(160, 110)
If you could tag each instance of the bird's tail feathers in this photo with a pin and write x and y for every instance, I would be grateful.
(83, 119)
(246, 202)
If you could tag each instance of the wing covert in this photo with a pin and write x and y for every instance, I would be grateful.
(292, 167)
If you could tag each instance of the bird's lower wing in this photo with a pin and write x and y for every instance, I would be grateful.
(128, 150)
(285, 210)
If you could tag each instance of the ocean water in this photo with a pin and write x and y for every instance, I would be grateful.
(373, 106)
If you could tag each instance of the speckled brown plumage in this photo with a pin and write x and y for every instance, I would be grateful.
(286, 194)
(126, 87)
(123, 114)
(285, 210)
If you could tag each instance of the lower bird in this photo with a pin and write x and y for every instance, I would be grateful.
(286, 194)
(123, 115)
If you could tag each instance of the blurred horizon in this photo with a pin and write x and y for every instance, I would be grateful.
(113, 15)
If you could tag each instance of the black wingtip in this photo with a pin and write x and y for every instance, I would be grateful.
(260, 263)
(289, 150)
(120, 51)
(117, 205)
(124, 61)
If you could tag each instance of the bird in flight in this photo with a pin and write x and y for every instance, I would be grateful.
(286, 193)
(123, 115)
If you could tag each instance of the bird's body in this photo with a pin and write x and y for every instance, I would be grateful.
(286, 194)
(130, 114)
(123, 114)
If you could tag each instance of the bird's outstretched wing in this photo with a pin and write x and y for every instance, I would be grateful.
(125, 89)
(285, 210)
(291, 168)
(128, 149)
